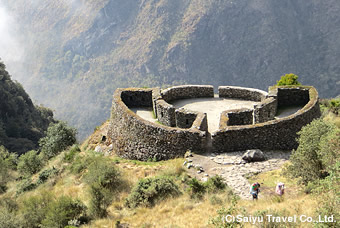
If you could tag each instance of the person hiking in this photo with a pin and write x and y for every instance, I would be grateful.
(255, 189)
(280, 189)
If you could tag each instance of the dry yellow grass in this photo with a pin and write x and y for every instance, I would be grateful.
(177, 212)
(331, 117)
(174, 212)
(186, 212)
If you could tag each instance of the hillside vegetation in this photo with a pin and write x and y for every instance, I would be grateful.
(78, 187)
(22, 124)
(78, 52)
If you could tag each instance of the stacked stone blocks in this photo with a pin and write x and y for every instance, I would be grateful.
(181, 130)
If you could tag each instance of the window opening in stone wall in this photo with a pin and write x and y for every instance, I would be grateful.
(162, 114)
(186, 121)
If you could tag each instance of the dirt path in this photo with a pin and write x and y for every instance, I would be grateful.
(234, 170)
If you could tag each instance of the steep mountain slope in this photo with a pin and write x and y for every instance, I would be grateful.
(83, 50)
(21, 123)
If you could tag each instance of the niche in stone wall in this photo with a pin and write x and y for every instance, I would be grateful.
(185, 118)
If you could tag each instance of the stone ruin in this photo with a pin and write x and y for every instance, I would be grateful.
(180, 130)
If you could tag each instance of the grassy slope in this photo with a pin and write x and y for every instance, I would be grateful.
(177, 212)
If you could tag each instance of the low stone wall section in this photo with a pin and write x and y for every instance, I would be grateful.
(187, 91)
(278, 134)
(133, 137)
(241, 93)
(185, 118)
(241, 116)
(165, 113)
(266, 110)
(291, 96)
(137, 97)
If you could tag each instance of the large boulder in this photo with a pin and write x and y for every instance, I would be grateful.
(253, 156)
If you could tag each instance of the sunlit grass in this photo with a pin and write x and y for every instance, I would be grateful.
(331, 117)
(181, 211)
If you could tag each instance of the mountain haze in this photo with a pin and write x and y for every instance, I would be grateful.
(76, 53)
(22, 123)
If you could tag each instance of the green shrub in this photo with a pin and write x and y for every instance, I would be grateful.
(221, 222)
(330, 149)
(100, 199)
(63, 210)
(215, 184)
(312, 185)
(8, 204)
(81, 163)
(8, 162)
(9, 219)
(215, 200)
(288, 79)
(73, 151)
(25, 185)
(307, 163)
(103, 171)
(328, 196)
(4, 176)
(34, 209)
(29, 163)
(332, 105)
(197, 188)
(10, 159)
(149, 191)
(46, 174)
(104, 180)
(59, 137)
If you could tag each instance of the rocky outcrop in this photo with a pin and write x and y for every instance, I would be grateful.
(253, 156)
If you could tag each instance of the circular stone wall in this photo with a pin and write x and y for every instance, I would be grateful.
(135, 138)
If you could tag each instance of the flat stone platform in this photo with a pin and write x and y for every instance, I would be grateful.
(145, 112)
(213, 107)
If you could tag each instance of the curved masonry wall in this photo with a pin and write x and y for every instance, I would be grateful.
(274, 134)
(187, 91)
(135, 138)
(241, 93)
(168, 115)
(233, 117)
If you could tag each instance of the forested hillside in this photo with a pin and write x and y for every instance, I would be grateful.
(21, 123)
(78, 52)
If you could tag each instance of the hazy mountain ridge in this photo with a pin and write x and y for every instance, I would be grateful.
(86, 49)
(21, 123)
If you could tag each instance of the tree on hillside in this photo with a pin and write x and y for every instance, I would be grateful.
(29, 163)
(22, 123)
(317, 153)
(59, 137)
(288, 79)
